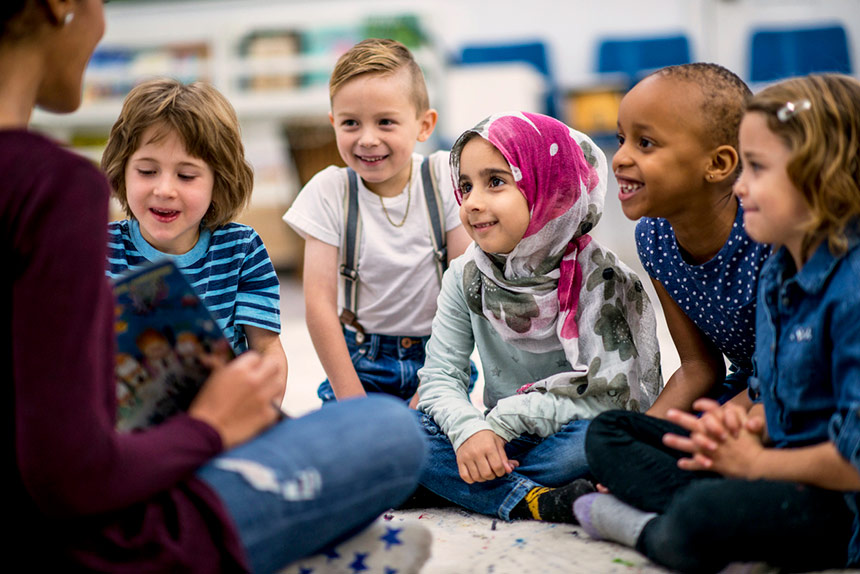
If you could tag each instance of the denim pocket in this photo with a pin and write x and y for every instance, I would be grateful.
(357, 354)
(356, 351)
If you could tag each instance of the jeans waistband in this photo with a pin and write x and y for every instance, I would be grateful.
(388, 344)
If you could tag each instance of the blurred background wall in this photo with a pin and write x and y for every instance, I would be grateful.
(571, 59)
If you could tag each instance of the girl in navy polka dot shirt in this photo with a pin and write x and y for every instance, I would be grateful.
(676, 162)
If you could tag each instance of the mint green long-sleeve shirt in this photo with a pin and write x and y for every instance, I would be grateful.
(444, 378)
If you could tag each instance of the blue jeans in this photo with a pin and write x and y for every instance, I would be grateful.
(313, 481)
(552, 461)
(385, 364)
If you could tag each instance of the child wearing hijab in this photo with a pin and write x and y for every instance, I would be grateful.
(563, 328)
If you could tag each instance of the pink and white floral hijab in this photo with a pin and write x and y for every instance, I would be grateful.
(559, 288)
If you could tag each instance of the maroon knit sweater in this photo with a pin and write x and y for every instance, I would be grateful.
(82, 494)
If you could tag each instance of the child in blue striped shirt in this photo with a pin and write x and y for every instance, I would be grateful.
(176, 163)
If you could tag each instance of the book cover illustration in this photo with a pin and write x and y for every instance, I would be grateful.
(162, 330)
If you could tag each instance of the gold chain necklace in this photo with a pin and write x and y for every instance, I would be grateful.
(408, 203)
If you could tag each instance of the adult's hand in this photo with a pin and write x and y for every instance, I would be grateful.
(240, 398)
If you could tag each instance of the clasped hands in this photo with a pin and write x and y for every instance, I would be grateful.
(726, 439)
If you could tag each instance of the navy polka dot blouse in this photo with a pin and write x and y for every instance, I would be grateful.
(718, 295)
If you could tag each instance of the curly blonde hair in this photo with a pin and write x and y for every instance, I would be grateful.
(207, 125)
(824, 139)
(380, 56)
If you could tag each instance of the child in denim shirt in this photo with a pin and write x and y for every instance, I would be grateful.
(779, 482)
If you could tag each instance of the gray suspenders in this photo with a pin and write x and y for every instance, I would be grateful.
(352, 234)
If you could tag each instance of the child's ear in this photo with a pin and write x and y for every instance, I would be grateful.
(724, 162)
(428, 124)
(331, 119)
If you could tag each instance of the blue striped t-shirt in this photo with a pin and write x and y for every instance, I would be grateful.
(230, 269)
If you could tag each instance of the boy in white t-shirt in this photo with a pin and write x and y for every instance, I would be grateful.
(370, 294)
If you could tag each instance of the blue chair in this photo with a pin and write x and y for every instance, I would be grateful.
(634, 58)
(534, 53)
(777, 54)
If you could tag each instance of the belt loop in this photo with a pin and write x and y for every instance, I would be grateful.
(406, 346)
(373, 352)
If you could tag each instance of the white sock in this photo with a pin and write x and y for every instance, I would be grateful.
(400, 546)
(605, 517)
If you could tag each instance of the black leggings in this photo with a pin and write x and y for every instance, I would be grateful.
(706, 521)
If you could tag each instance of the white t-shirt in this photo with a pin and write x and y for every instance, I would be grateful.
(398, 285)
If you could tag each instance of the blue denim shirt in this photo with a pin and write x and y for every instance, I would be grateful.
(807, 359)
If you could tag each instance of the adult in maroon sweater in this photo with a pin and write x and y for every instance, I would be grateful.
(84, 496)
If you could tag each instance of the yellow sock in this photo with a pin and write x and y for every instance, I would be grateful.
(532, 500)
(551, 504)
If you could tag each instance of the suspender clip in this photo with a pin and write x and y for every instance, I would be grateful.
(349, 273)
(347, 317)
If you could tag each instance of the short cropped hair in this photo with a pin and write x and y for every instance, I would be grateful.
(725, 95)
(207, 125)
(380, 56)
(824, 139)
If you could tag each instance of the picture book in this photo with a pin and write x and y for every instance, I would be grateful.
(162, 330)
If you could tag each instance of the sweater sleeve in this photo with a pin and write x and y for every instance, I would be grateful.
(71, 459)
(541, 414)
(445, 376)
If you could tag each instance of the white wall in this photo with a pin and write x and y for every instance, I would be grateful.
(571, 29)
(719, 30)
(729, 25)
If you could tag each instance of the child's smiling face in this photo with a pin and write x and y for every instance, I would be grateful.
(662, 154)
(493, 210)
(376, 125)
(774, 209)
(168, 190)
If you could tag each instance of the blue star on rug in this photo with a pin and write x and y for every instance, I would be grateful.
(331, 554)
(390, 537)
(358, 564)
